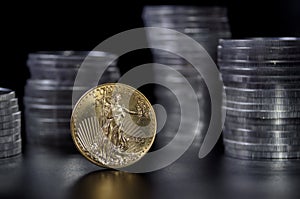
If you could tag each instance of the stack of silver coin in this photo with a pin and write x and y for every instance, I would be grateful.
(205, 25)
(10, 124)
(262, 86)
(48, 93)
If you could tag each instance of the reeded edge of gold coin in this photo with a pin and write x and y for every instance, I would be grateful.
(73, 129)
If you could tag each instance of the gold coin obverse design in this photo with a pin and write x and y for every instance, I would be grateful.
(113, 125)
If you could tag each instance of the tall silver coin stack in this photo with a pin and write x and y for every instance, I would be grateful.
(10, 124)
(48, 93)
(262, 86)
(205, 25)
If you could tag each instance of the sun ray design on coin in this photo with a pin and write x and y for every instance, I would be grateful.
(113, 125)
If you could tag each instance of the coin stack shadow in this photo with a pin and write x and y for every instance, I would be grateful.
(48, 93)
(206, 25)
(10, 124)
(261, 78)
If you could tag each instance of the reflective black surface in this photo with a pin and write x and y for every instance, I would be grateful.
(55, 173)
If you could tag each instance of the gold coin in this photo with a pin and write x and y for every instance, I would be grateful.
(113, 125)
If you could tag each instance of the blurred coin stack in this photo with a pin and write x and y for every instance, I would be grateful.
(262, 86)
(48, 93)
(205, 25)
(10, 124)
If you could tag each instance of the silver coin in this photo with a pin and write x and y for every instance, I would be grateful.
(41, 84)
(47, 101)
(265, 100)
(53, 73)
(6, 94)
(40, 131)
(263, 93)
(10, 124)
(257, 121)
(231, 125)
(63, 62)
(261, 155)
(267, 134)
(37, 83)
(207, 38)
(260, 79)
(50, 112)
(89, 64)
(70, 58)
(263, 114)
(258, 140)
(261, 42)
(51, 93)
(10, 138)
(11, 152)
(199, 32)
(202, 33)
(260, 107)
(10, 117)
(260, 147)
(9, 110)
(220, 25)
(261, 71)
(50, 85)
(8, 103)
(258, 62)
(263, 64)
(261, 85)
(14, 160)
(47, 89)
(198, 22)
(10, 145)
(68, 74)
(258, 57)
(182, 19)
(56, 134)
(260, 49)
(260, 53)
(47, 123)
(186, 21)
(48, 107)
(59, 55)
(179, 9)
(7, 132)
(44, 63)
(70, 55)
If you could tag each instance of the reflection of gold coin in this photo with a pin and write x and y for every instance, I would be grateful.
(113, 125)
(111, 185)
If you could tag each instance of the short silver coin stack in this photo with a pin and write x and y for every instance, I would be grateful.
(206, 25)
(262, 86)
(48, 93)
(10, 124)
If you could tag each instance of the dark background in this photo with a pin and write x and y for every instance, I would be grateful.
(49, 25)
